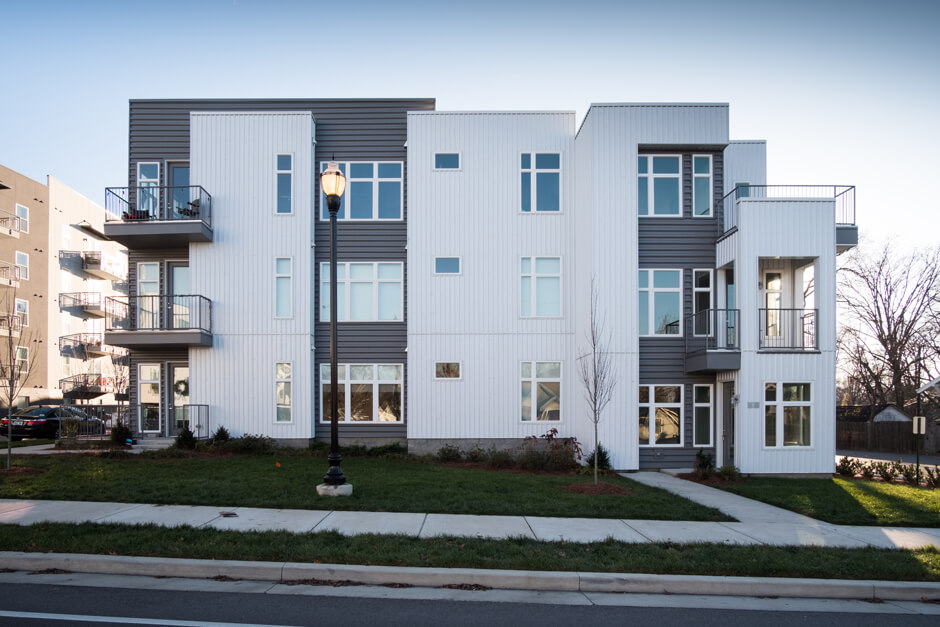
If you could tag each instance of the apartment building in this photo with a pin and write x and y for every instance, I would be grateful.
(56, 271)
(468, 246)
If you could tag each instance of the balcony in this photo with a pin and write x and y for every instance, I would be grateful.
(843, 197)
(788, 330)
(10, 325)
(158, 320)
(88, 346)
(103, 266)
(86, 386)
(89, 303)
(154, 217)
(9, 224)
(712, 342)
(9, 274)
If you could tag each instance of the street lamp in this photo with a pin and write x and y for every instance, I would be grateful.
(333, 183)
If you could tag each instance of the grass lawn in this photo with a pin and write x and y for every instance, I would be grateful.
(847, 501)
(609, 556)
(389, 485)
(19, 443)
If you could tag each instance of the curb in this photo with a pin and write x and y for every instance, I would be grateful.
(639, 583)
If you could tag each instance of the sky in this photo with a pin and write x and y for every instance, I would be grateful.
(843, 92)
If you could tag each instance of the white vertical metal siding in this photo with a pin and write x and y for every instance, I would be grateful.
(745, 162)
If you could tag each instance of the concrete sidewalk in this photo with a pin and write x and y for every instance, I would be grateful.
(788, 531)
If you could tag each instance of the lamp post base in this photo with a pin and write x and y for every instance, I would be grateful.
(325, 489)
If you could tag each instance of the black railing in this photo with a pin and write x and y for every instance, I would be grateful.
(94, 421)
(842, 195)
(148, 418)
(144, 203)
(788, 329)
(86, 385)
(711, 330)
(158, 313)
(78, 345)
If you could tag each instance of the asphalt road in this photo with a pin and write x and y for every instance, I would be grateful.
(254, 603)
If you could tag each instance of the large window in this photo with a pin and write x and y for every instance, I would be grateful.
(22, 263)
(540, 287)
(367, 392)
(787, 414)
(365, 292)
(660, 415)
(541, 391)
(282, 287)
(373, 191)
(282, 391)
(658, 185)
(702, 418)
(660, 302)
(285, 183)
(541, 182)
(702, 186)
(22, 213)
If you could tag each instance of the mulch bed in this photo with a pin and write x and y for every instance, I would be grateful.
(596, 488)
(21, 470)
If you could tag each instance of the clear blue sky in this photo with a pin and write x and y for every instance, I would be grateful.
(844, 92)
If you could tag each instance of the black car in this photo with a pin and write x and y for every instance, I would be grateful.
(44, 422)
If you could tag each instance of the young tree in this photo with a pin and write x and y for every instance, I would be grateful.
(596, 370)
(17, 357)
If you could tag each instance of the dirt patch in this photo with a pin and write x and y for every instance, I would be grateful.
(596, 488)
(21, 470)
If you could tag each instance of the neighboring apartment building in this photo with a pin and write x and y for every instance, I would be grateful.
(58, 277)
(466, 261)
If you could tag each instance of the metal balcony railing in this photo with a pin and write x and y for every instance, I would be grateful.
(9, 223)
(10, 325)
(81, 345)
(80, 299)
(9, 273)
(843, 195)
(788, 329)
(96, 260)
(159, 313)
(158, 203)
(712, 330)
(86, 385)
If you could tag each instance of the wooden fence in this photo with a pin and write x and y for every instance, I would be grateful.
(888, 437)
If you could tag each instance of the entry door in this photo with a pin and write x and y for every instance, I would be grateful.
(181, 308)
(178, 399)
(727, 424)
(180, 209)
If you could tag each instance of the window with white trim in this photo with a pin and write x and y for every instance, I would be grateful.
(540, 284)
(702, 196)
(285, 184)
(447, 265)
(282, 391)
(787, 414)
(446, 160)
(365, 292)
(368, 393)
(541, 182)
(282, 288)
(22, 262)
(447, 370)
(21, 363)
(374, 191)
(22, 310)
(702, 301)
(541, 391)
(22, 212)
(660, 302)
(702, 415)
(148, 395)
(659, 183)
(662, 404)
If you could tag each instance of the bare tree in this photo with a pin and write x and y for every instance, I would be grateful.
(596, 370)
(893, 321)
(15, 365)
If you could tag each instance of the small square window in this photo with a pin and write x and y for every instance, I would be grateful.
(447, 265)
(447, 370)
(447, 161)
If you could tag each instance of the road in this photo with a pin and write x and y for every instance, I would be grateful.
(67, 599)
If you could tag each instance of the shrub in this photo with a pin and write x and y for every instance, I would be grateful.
(847, 467)
(476, 454)
(69, 429)
(704, 464)
(395, 449)
(603, 458)
(499, 459)
(250, 445)
(121, 433)
(354, 450)
(867, 471)
(550, 453)
(185, 439)
(221, 435)
(449, 453)
(729, 473)
(884, 470)
(932, 476)
(319, 447)
(908, 472)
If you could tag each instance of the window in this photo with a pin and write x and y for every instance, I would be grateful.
(23, 214)
(702, 415)
(702, 300)
(664, 404)
(447, 370)
(447, 265)
(541, 380)
(541, 182)
(541, 287)
(282, 391)
(447, 161)
(373, 191)
(22, 310)
(660, 302)
(658, 179)
(148, 193)
(22, 264)
(744, 190)
(366, 292)
(285, 176)
(702, 186)
(282, 287)
(21, 361)
(370, 392)
(148, 395)
(793, 402)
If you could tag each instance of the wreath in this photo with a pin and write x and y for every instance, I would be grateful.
(181, 387)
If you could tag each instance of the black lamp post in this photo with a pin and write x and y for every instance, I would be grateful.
(333, 183)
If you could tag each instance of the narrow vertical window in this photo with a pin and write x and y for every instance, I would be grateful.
(540, 287)
(702, 417)
(541, 182)
(22, 311)
(23, 214)
(702, 186)
(282, 287)
(702, 301)
(21, 365)
(541, 391)
(148, 395)
(282, 391)
(285, 169)
(22, 264)
(148, 191)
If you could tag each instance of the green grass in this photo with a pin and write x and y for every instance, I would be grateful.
(847, 501)
(388, 485)
(609, 556)
(20, 443)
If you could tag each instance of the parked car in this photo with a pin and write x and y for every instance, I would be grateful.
(45, 422)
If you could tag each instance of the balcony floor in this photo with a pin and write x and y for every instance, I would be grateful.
(155, 337)
(158, 233)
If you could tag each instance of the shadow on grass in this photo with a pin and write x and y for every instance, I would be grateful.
(890, 504)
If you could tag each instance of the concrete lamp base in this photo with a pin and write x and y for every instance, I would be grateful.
(334, 490)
